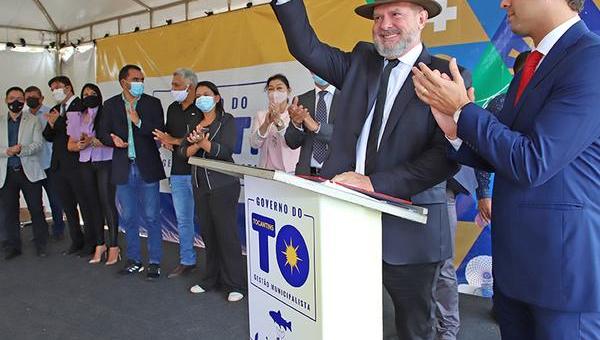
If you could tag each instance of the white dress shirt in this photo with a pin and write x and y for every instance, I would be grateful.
(397, 78)
(544, 48)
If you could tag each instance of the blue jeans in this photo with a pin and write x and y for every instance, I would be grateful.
(49, 184)
(183, 202)
(138, 198)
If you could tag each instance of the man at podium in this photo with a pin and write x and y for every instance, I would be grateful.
(388, 142)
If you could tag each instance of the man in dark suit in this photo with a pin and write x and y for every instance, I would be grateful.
(386, 144)
(64, 166)
(127, 123)
(544, 147)
(312, 126)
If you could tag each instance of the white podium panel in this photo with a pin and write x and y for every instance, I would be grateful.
(306, 273)
(314, 255)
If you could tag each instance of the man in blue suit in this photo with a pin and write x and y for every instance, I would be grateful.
(388, 142)
(545, 149)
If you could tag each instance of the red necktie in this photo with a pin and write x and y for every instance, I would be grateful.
(533, 59)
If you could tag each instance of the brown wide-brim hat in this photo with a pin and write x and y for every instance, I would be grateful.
(432, 7)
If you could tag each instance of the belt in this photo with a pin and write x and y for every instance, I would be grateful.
(315, 171)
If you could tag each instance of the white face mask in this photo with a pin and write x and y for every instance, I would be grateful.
(179, 95)
(278, 97)
(59, 95)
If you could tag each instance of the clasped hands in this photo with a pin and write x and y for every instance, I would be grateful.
(445, 95)
(14, 150)
(301, 117)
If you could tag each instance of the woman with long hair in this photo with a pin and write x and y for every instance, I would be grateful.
(95, 160)
(216, 195)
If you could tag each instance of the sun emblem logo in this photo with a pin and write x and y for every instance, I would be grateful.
(292, 256)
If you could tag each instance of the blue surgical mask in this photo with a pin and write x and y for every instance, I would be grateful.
(320, 81)
(137, 88)
(205, 103)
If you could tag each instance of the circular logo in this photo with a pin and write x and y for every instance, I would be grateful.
(292, 256)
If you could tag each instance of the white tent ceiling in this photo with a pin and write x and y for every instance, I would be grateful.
(40, 22)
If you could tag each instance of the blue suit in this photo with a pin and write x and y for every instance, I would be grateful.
(546, 155)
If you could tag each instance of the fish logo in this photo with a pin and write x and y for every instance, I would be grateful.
(280, 321)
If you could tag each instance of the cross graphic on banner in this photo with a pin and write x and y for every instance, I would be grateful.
(448, 13)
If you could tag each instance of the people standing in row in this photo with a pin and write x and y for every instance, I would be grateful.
(21, 171)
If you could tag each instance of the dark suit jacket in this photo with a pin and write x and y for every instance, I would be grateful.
(114, 120)
(411, 161)
(546, 155)
(296, 138)
(62, 159)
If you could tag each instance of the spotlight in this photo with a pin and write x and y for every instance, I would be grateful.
(249, 4)
(52, 44)
(169, 21)
(23, 42)
(73, 45)
(10, 45)
(136, 29)
(94, 42)
(209, 13)
(106, 35)
(62, 45)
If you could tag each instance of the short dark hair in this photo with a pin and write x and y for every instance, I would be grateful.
(33, 89)
(14, 88)
(278, 76)
(520, 61)
(63, 80)
(576, 5)
(214, 90)
(124, 72)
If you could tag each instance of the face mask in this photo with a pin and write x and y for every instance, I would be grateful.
(180, 95)
(33, 102)
(59, 95)
(205, 103)
(320, 81)
(16, 106)
(91, 101)
(137, 88)
(278, 97)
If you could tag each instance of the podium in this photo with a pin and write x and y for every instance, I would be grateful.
(314, 256)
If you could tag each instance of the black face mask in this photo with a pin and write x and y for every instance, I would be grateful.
(33, 102)
(16, 106)
(91, 101)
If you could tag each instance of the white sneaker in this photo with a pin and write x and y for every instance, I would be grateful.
(235, 297)
(197, 289)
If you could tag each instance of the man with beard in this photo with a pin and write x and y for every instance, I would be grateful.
(387, 143)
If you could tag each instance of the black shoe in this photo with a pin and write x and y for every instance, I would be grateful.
(11, 254)
(41, 252)
(181, 270)
(153, 272)
(131, 267)
(73, 249)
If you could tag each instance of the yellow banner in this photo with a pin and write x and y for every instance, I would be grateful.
(214, 42)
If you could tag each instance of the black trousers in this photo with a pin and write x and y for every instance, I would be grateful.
(69, 186)
(412, 289)
(217, 214)
(100, 193)
(16, 181)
